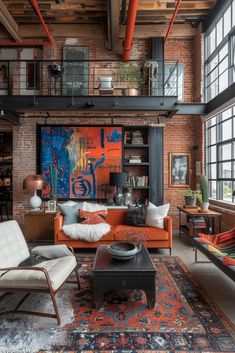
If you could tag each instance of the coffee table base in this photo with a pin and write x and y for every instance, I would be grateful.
(105, 283)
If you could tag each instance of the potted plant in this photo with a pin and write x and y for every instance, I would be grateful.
(204, 192)
(129, 74)
(191, 197)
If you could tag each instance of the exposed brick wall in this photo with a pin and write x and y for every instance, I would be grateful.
(182, 50)
(181, 133)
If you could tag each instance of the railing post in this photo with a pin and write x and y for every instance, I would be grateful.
(8, 78)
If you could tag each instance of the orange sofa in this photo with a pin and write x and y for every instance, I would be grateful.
(155, 237)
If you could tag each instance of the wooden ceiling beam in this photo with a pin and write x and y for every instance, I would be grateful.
(8, 22)
(162, 5)
(32, 31)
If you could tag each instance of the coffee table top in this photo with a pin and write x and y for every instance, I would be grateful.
(104, 262)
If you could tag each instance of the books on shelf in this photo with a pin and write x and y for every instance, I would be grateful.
(137, 138)
(137, 180)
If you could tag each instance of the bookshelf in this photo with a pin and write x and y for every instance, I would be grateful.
(139, 161)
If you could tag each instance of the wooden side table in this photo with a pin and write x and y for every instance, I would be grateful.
(39, 226)
(209, 218)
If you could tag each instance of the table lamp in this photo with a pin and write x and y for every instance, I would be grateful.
(34, 182)
(119, 180)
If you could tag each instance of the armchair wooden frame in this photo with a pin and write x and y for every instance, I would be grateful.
(36, 290)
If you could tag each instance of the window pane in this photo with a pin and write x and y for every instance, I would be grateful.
(213, 121)
(227, 114)
(212, 189)
(226, 130)
(225, 170)
(223, 81)
(227, 190)
(212, 41)
(223, 52)
(233, 13)
(234, 128)
(227, 21)
(219, 32)
(212, 171)
(212, 156)
(223, 66)
(225, 152)
(212, 135)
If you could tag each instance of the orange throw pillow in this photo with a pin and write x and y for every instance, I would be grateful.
(224, 239)
(86, 217)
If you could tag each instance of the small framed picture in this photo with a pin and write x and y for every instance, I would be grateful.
(51, 206)
(179, 167)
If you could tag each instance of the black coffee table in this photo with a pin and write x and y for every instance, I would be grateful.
(137, 273)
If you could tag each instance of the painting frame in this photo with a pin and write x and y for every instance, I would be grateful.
(101, 158)
(179, 170)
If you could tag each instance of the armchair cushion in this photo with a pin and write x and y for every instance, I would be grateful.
(51, 251)
(58, 271)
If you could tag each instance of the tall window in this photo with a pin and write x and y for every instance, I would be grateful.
(220, 155)
(219, 52)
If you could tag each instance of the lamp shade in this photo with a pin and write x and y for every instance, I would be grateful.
(34, 182)
(118, 179)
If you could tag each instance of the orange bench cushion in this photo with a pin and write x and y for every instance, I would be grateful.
(149, 233)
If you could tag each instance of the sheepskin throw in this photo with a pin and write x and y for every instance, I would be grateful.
(88, 232)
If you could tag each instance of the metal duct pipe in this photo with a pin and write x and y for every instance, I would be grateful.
(130, 25)
(172, 19)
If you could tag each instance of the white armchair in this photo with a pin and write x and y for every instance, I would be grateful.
(45, 277)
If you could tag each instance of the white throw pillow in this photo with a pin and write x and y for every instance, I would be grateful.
(92, 207)
(156, 214)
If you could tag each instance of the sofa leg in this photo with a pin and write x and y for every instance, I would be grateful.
(169, 251)
(78, 278)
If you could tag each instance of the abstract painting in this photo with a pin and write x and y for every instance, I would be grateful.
(76, 160)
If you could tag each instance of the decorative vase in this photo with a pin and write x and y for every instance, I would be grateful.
(127, 197)
(204, 206)
(105, 82)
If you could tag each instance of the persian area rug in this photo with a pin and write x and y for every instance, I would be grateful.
(184, 318)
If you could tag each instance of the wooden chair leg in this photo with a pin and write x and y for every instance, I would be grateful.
(55, 307)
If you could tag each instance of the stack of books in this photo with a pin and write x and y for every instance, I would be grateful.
(135, 158)
(197, 222)
(137, 138)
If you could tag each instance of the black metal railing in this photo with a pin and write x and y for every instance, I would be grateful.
(89, 78)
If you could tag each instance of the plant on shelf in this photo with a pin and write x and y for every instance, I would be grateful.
(129, 74)
(191, 197)
(204, 192)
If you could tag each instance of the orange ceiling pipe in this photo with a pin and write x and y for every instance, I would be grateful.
(172, 19)
(32, 43)
(130, 25)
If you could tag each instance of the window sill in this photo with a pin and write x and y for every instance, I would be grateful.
(222, 206)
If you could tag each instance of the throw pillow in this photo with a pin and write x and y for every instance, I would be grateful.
(221, 240)
(156, 214)
(136, 216)
(86, 217)
(69, 213)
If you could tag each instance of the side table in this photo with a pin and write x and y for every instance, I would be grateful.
(39, 226)
(209, 217)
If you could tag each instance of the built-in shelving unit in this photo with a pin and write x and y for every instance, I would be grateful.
(139, 161)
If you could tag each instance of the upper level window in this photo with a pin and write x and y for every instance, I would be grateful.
(220, 155)
(219, 52)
